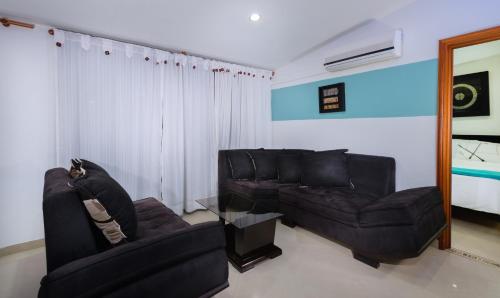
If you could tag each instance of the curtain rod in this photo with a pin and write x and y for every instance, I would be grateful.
(7, 22)
(51, 32)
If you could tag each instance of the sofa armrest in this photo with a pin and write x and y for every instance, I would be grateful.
(107, 271)
(400, 208)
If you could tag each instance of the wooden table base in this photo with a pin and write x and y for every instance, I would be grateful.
(248, 246)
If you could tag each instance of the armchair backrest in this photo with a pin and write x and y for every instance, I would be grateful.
(69, 234)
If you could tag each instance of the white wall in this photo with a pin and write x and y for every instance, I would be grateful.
(370, 136)
(411, 141)
(27, 130)
(481, 125)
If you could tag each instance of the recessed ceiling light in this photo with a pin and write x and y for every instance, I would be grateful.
(254, 17)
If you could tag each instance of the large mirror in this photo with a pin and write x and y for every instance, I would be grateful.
(475, 151)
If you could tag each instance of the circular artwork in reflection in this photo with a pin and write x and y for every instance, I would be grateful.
(464, 96)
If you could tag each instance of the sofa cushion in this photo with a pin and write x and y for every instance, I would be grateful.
(288, 165)
(240, 164)
(295, 151)
(92, 167)
(79, 168)
(372, 174)
(153, 218)
(289, 168)
(404, 207)
(109, 206)
(325, 168)
(264, 162)
(341, 204)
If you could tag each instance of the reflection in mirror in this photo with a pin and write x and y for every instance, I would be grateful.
(475, 194)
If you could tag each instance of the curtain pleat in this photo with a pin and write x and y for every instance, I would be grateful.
(243, 109)
(200, 146)
(110, 112)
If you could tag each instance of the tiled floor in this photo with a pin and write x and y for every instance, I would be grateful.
(311, 266)
(478, 239)
(20, 273)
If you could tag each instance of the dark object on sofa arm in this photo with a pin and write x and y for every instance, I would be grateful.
(168, 258)
(374, 221)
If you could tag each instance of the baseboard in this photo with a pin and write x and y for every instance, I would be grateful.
(9, 250)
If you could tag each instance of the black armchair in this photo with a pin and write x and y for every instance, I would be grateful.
(168, 258)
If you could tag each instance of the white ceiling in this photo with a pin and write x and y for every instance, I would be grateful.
(476, 52)
(212, 28)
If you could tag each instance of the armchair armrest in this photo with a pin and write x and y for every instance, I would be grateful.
(400, 208)
(100, 273)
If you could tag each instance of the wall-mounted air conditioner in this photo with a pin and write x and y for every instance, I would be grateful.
(385, 50)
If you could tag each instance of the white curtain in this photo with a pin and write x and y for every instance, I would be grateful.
(224, 84)
(189, 154)
(243, 109)
(109, 111)
(199, 133)
(153, 119)
(172, 154)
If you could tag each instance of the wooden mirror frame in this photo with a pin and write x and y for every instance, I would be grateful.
(445, 112)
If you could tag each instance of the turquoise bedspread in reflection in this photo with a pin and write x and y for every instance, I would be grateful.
(476, 173)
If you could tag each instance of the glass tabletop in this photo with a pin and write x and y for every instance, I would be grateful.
(240, 211)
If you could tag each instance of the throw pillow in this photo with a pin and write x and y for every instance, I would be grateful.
(264, 163)
(241, 165)
(90, 166)
(289, 168)
(109, 206)
(325, 168)
(79, 168)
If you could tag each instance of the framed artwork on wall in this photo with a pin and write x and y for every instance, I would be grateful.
(471, 95)
(332, 98)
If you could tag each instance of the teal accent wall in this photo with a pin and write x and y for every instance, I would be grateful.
(401, 91)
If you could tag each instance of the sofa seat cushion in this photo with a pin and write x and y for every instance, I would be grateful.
(154, 218)
(254, 189)
(404, 207)
(341, 204)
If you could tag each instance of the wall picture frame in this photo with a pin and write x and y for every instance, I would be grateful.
(471, 96)
(332, 98)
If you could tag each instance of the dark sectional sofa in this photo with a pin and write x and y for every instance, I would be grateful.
(366, 214)
(167, 258)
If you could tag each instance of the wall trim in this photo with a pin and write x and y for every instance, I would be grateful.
(16, 248)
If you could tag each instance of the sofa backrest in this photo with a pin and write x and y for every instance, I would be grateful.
(69, 234)
(375, 175)
(224, 171)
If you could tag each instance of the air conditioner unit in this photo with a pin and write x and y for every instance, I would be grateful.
(385, 50)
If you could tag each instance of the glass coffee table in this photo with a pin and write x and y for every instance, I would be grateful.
(250, 227)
